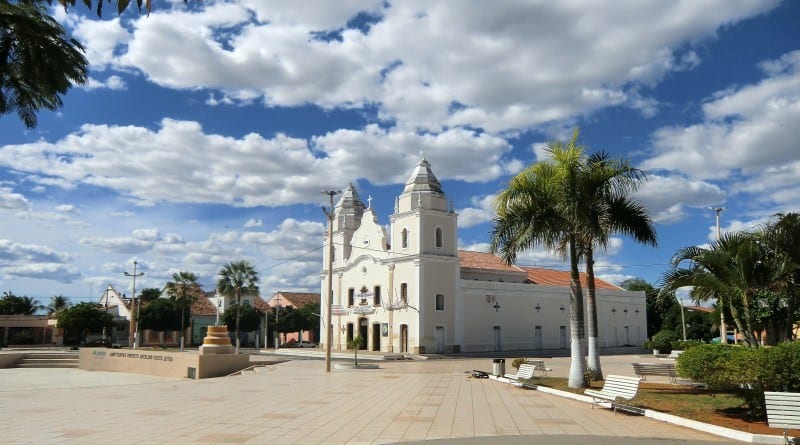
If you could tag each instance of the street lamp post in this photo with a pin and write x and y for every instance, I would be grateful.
(329, 303)
(723, 327)
(135, 315)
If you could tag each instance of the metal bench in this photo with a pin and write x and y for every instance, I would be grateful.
(615, 387)
(538, 365)
(783, 411)
(524, 372)
(660, 369)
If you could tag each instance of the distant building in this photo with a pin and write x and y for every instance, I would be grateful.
(296, 300)
(411, 290)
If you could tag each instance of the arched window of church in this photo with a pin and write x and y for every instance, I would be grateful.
(404, 293)
(404, 239)
(439, 237)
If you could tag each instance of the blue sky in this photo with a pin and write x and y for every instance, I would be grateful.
(207, 132)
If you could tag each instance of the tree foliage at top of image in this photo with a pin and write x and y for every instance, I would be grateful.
(149, 294)
(11, 304)
(97, 6)
(39, 62)
(57, 304)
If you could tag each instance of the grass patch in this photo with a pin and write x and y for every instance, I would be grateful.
(718, 408)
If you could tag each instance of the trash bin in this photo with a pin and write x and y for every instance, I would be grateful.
(499, 366)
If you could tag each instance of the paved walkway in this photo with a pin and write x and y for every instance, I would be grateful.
(296, 402)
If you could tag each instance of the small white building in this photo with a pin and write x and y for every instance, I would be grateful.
(411, 289)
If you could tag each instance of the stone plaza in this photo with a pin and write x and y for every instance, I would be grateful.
(297, 402)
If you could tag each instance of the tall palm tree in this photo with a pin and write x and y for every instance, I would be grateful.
(541, 206)
(607, 209)
(183, 290)
(236, 279)
(57, 304)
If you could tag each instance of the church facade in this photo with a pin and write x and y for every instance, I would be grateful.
(412, 291)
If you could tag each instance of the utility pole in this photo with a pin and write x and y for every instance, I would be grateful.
(723, 327)
(329, 302)
(135, 315)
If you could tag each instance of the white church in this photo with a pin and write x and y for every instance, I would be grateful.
(412, 291)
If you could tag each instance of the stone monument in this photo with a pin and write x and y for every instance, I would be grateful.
(217, 341)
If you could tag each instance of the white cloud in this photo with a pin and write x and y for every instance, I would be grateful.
(111, 83)
(9, 200)
(36, 261)
(483, 211)
(412, 60)
(666, 197)
(248, 171)
(745, 129)
(253, 222)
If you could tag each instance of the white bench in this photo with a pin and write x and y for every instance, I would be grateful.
(538, 365)
(525, 372)
(783, 411)
(616, 387)
(660, 369)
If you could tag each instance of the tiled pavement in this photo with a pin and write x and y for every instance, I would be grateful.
(296, 402)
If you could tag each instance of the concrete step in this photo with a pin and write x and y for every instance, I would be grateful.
(49, 360)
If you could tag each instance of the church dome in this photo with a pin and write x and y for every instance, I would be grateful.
(350, 200)
(423, 180)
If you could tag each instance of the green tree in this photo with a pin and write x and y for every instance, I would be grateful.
(149, 294)
(733, 270)
(236, 279)
(539, 207)
(249, 318)
(781, 241)
(657, 307)
(354, 344)
(38, 61)
(11, 304)
(161, 315)
(184, 291)
(85, 318)
(57, 304)
(571, 204)
(606, 209)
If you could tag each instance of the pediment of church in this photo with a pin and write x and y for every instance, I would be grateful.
(369, 237)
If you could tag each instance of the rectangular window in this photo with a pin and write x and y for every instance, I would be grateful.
(376, 296)
(404, 293)
(351, 293)
(439, 302)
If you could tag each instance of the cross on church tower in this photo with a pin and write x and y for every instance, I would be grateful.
(369, 201)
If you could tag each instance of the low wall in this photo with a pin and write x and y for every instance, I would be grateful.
(162, 363)
(9, 359)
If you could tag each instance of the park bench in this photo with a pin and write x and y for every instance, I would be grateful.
(783, 411)
(615, 388)
(660, 369)
(524, 372)
(538, 365)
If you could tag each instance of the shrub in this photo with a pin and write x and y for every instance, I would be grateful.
(517, 361)
(781, 367)
(683, 345)
(663, 340)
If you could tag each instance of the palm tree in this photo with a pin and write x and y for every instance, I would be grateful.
(38, 61)
(607, 209)
(541, 206)
(781, 238)
(57, 304)
(183, 290)
(733, 270)
(235, 279)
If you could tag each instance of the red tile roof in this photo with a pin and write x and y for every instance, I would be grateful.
(260, 304)
(485, 261)
(550, 277)
(297, 299)
(202, 306)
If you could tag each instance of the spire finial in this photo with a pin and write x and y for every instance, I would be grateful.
(369, 201)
